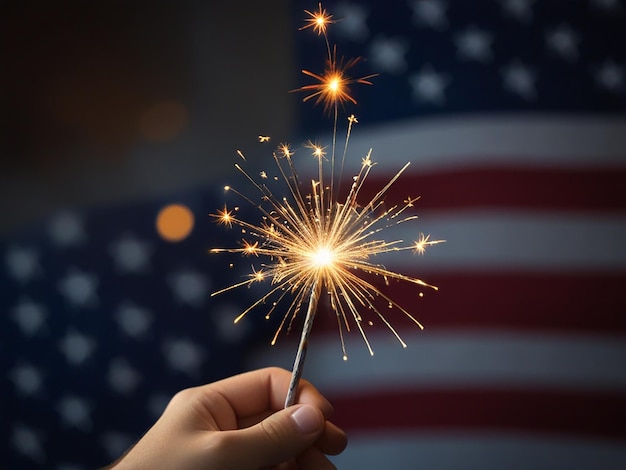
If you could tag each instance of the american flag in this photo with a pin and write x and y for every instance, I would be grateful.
(513, 116)
(103, 321)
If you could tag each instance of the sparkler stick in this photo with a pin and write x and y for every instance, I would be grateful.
(298, 364)
(313, 242)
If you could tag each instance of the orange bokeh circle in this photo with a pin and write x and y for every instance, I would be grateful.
(174, 222)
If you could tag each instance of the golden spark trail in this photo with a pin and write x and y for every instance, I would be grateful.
(311, 244)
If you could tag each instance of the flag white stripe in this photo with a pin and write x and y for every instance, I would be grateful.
(476, 451)
(507, 139)
(513, 240)
(481, 359)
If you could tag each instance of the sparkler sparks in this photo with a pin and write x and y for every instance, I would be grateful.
(319, 20)
(318, 150)
(422, 242)
(318, 243)
(224, 216)
(333, 86)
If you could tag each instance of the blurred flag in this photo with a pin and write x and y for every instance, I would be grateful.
(512, 114)
(103, 321)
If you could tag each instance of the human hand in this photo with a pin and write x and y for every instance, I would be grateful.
(238, 424)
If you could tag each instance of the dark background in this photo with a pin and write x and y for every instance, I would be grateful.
(107, 101)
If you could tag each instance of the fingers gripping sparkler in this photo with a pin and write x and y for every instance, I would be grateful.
(315, 243)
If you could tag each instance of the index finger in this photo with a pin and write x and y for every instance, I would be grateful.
(262, 390)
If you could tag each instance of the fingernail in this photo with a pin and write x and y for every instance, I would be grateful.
(306, 419)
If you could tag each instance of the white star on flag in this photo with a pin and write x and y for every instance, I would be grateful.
(429, 86)
(610, 76)
(223, 316)
(79, 288)
(353, 24)
(76, 347)
(22, 263)
(564, 42)
(27, 379)
(190, 287)
(183, 355)
(522, 10)
(122, 377)
(27, 441)
(520, 80)
(130, 254)
(75, 412)
(474, 44)
(30, 316)
(66, 230)
(431, 13)
(133, 320)
(387, 54)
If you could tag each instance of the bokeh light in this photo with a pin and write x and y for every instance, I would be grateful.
(174, 222)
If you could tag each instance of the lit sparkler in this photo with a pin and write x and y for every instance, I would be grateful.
(316, 243)
(318, 20)
(333, 82)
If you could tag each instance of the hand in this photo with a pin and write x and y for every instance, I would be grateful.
(238, 424)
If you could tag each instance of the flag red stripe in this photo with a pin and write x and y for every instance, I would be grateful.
(556, 412)
(540, 189)
(550, 302)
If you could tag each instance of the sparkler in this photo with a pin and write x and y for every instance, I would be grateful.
(315, 243)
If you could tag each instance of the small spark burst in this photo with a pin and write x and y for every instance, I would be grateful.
(319, 241)
(409, 201)
(284, 150)
(318, 20)
(250, 248)
(422, 242)
(318, 151)
(257, 275)
(224, 216)
(333, 86)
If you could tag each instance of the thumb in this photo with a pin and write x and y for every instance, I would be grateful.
(278, 438)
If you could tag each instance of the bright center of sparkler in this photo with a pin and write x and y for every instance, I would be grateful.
(322, 257)
(334, 84)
